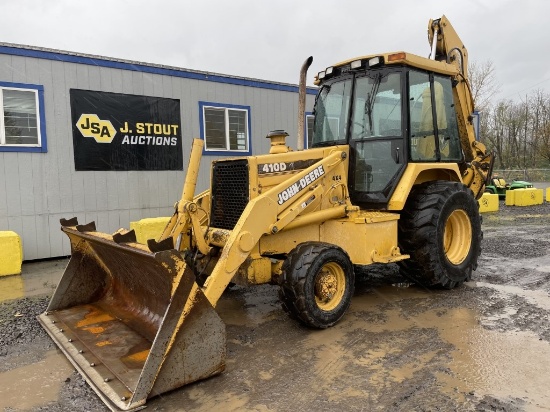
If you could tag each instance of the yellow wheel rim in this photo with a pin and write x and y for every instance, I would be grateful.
(330, 285)
(457, 238)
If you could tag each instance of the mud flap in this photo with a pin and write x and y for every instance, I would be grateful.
(134, 323)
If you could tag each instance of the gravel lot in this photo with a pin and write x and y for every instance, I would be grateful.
(484, 346)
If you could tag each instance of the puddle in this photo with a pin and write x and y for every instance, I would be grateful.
(485, 362)
(34, 385)
(212, 401)
(37, 278)
(537, 297)
(509, 364)
(11, 287)
(249, 309)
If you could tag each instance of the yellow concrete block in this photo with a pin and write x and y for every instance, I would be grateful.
(149, 228)
(488, 203)
(11, 253)
(548, 194)
(510, 197)
(539, 196)
(528, 197)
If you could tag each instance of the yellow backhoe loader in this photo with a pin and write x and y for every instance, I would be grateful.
(392, 175)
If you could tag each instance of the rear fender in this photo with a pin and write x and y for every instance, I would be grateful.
(417, 173)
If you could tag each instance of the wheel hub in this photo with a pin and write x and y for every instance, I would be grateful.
(457, 238)
(330, 285)
(326, 286)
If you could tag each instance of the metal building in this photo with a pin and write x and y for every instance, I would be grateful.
(107, 140)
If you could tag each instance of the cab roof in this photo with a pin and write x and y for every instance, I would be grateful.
(400, 57)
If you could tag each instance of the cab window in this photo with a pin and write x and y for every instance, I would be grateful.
(331, 113)
(377, 106)
(447, 126)
(433, 129)
(422, 136)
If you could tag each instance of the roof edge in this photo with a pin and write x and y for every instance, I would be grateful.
(122, 64)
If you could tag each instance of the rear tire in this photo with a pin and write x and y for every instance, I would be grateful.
(441, 229)
(317, 284)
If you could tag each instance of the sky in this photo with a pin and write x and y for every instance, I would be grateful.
(271, 39)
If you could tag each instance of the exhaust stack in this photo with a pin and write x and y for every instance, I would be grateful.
(302, 103)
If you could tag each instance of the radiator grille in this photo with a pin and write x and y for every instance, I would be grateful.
(229, 193)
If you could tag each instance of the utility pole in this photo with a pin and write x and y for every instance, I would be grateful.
(525, 140)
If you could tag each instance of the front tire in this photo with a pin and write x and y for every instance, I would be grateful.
(441, 229)
(317, 284)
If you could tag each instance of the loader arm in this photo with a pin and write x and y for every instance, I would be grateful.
(185, 209)
(446, 46)
(268, 214)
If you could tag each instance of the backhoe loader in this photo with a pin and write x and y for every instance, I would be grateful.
(392, 176)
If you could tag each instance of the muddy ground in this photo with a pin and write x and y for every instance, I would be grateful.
(484, 346)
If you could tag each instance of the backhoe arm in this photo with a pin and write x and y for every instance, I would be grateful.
(446, 46)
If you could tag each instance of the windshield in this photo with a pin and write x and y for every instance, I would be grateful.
(332, 113)
(377, 107)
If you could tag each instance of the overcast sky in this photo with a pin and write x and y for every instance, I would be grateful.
(270, 39)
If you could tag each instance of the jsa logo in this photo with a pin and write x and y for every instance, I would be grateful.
(92, 126)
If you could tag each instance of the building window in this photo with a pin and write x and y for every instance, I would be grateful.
(225, 128)
(22, 126)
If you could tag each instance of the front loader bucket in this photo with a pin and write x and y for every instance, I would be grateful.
(132, 322)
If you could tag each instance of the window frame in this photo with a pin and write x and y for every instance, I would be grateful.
(307, 116)
(41, 146)
(226, 106)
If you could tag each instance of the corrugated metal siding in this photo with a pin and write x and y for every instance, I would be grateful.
(37, 189)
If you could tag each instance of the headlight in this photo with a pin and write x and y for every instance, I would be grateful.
(374, 61)
(356, 64)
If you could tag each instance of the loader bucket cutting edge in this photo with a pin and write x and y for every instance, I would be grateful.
(118, 316)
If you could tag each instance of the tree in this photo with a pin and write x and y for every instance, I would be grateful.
(517, 131)
(483, 83)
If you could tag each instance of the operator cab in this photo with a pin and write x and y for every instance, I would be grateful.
(389, 115)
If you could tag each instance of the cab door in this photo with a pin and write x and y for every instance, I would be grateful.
(376, 137)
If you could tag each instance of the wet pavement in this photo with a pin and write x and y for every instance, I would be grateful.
(483, 346)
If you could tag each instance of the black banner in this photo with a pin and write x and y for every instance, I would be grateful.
(113, 131)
